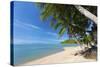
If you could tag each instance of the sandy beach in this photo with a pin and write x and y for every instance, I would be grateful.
(66, 56)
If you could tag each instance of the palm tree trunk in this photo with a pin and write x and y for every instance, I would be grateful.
(86, 13)
(81, 46)
(78, 42)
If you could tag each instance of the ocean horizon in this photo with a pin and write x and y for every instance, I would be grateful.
(24, 53)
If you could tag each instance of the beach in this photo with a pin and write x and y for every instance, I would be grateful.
(66, 56)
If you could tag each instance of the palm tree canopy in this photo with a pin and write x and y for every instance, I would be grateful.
(68, 18)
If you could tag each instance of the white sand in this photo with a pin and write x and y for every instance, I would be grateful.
(66, 56)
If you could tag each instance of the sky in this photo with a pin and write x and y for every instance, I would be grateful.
(29, 28)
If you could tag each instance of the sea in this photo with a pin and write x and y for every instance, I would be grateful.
(24, 53)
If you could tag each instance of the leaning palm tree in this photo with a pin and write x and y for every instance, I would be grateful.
(67, 17)
(73, 19)
(89, 12)
(86, 13)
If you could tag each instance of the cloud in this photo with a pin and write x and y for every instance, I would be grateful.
(50, 33)
(26, 25)
(22, 41)
(57, 40)
(32, 26)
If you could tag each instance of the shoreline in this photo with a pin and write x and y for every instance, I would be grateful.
(66, 56)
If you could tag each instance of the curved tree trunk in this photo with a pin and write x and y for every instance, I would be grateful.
(78, 42)
(86, 13)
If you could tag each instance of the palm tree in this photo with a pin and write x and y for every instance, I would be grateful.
(86, 13)
(71, 18)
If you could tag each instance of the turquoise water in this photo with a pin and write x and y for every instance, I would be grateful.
(27, 52)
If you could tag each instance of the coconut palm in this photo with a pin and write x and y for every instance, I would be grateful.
(71, 18)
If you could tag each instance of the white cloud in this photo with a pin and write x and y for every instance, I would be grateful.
(22, 41)
(59, 40)
(32, 26)
(50, 33)
(26, 25)
(30, 41)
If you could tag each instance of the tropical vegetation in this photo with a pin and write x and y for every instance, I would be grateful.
(70, 41)
(80, 22)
